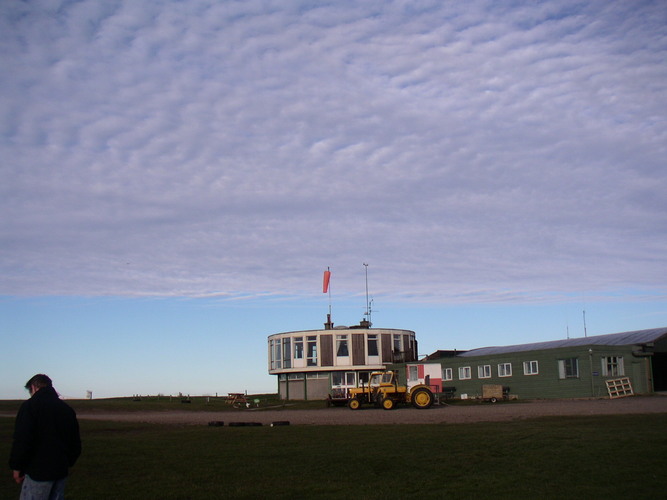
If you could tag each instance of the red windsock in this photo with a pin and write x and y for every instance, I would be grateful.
(325, 283)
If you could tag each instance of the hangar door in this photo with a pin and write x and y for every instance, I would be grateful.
(659, 363)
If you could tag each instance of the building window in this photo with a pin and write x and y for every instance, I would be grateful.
(398, 344)
(464, 373)
(612, 366)
(484, 371)
(277, 354)
(311, 353)
(337, 379)
(295, 376)
(447, 374)
(568, 368)
(287, 351)
(413, 373)
(341, 345)
(298, 347)
(373, 345)
(271, 358)
(530, 368)
(505, 370)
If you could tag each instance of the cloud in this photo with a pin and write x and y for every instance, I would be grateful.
(188, 148)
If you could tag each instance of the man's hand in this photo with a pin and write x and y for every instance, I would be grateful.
(18, 476)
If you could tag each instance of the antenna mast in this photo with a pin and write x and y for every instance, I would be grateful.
(368, 304)
(585, 334)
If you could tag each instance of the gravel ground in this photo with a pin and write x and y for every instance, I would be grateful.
(445, 414)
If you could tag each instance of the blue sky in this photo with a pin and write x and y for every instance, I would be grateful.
(177, 175)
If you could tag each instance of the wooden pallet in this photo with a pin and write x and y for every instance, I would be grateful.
(619, 388)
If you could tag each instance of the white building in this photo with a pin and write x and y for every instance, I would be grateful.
(313, 364)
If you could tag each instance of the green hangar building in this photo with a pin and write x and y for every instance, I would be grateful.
(597, 366)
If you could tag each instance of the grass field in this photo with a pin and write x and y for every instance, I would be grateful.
(167, 403)
(578, 457)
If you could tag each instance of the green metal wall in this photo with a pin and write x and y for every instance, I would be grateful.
(546, 383)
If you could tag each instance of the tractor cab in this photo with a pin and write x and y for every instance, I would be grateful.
(382, 379)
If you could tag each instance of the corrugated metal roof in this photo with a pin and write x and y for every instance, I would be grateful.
(625, 338)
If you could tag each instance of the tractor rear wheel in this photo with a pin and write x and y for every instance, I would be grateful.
(354, 404)
(422, 398)
(388, 404)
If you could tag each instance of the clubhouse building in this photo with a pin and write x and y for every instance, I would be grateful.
(315, 364)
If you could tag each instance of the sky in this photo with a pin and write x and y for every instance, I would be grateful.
(177, 175)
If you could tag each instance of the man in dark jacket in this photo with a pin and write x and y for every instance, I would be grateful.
(46, 442)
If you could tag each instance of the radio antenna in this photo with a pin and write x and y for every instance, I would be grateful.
(585, 334)
(368, 304)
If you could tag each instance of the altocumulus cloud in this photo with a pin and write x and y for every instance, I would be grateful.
(468, 149)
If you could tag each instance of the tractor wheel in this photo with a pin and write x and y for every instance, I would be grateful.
(354, 404)
(388, 404)
(422, 398)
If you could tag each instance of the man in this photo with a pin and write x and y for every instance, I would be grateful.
(46, 442)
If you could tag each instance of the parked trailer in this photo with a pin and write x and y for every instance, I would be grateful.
(494, 392)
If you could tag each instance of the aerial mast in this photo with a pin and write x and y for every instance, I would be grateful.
(368, 304)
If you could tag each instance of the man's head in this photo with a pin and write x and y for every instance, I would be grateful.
(37, 382)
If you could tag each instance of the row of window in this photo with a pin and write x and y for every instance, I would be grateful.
(484, 371)
(300, 376)
(338, 379)
(284, 350)
(611, 366)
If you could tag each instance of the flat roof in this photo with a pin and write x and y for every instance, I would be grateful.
(341, 329)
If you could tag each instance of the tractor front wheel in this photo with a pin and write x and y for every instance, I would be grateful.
(388, 404)
(354, 404)
(422, 398)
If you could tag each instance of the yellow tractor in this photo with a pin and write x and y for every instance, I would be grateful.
(384, 391)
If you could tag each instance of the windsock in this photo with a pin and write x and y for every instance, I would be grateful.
(325, 283)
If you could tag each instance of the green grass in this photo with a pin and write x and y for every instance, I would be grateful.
(578, 457)
(171, 403)
(198, 403)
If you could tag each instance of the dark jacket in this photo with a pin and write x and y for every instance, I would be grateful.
(46, 437)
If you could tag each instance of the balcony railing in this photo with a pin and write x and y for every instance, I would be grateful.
(403, 357)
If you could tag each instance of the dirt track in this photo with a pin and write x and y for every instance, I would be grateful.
(448, 414)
